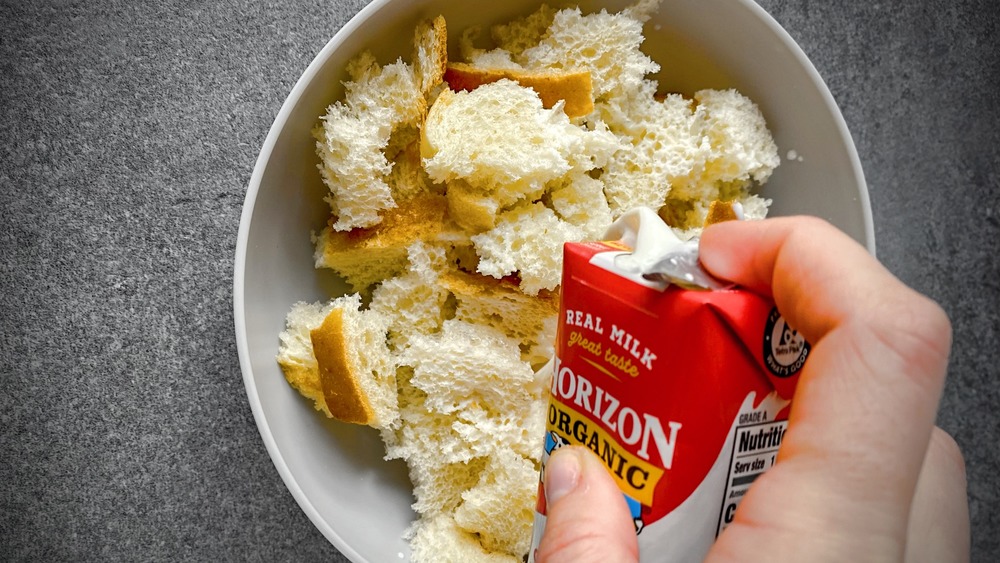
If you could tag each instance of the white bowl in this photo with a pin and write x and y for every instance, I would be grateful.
(336, 471)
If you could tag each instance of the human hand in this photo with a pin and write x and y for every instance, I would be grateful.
(863, 473)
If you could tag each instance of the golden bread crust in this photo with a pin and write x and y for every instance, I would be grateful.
(367, 255)
(344, 397)
(575, 88)
(501, 303)
(719, 211)
(305, 380)
(414, 219)
(431, 60)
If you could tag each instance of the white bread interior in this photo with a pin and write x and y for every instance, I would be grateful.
(439, 538)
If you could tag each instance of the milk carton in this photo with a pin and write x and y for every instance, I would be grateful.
(683, 393)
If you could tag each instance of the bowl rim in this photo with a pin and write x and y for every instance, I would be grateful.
(838, 116)
(253, 187)
(239, 271)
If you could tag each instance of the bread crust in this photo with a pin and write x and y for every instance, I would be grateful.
(575, 88)
(719, 211)
(305, 380)
(367, 255)
(345, 399)
(431, 40)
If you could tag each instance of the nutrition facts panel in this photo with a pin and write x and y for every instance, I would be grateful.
(755, 448)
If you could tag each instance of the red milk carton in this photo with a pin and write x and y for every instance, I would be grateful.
(684, 394)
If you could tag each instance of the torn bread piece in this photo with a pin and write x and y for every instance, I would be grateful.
(504, 147)
(497, 137)
(414, 302)
(605, 44)
(528, 241)
(295, 351)
(468, 364)
(356, 370)
(351, 141)
(439, 538)
(431, 57)
(353, 137)
(336, 354)
(471, 208)
(366, 256)
(501, 304)
(574, 88)
(498, 509)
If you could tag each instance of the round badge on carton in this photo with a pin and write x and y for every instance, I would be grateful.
(785, 350)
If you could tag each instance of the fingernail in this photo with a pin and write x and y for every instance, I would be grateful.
(562, 474)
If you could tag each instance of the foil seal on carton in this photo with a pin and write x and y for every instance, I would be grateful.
(683, 393)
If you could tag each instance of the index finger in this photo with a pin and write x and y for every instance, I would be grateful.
(868, 394)
(816, 274)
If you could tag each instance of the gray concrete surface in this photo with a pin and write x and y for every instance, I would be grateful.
(128, 132)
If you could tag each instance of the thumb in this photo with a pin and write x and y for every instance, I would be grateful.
(588, 519)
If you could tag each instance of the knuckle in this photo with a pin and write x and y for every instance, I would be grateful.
(916, 329)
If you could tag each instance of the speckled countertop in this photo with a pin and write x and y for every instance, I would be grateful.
(128, 132)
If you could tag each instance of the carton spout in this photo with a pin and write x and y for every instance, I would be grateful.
(657, 252)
